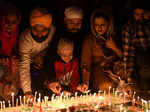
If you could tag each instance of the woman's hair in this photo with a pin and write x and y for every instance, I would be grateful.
(64, 44)
(108, 18)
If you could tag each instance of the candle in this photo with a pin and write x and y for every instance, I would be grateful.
(20, 100)
(13, 99)
(24, 100)
(17, 102)
(39, 97)
(76, 94)
(121, 107)
(9, 104)
(52, 98)
(109, 90)
(1, 105)
(133, 102)
(104, 93)
(142, 103)
(35, 96)
(99, 92)
(4, 105)
(113, 91)
(149, 104)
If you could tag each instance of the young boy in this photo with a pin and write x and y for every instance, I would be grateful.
(66, 69)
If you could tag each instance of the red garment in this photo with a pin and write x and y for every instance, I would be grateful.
(8, 42)
(67, 73)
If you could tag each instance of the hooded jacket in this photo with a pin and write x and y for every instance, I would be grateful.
(94, 51)
(28, 50)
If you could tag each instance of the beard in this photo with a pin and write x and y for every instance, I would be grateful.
(39, 39)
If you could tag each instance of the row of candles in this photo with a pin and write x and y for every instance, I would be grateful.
(22, 100)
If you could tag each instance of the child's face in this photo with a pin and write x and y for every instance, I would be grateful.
(66, 55)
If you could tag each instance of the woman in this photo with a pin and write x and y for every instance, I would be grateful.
(99, 53)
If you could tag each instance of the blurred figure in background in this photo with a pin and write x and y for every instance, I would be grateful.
(9, 30)
(136, 46)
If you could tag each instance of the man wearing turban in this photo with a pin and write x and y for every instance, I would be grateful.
(32, 47)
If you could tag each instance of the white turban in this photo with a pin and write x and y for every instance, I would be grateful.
(73, 12)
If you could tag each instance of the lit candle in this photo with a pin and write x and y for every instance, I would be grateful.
(17, 102)
(4, 105)
(99, 92)
(76, 94)
(9, 104)
(113, 91)
(13, 99)
(104, 93)
(109, 90)
(1, 105)
(149, 104)
(133, 102)
(40, 97)
(142, 103)
(121, 107)
(20, 100)
(52, 98)
(24, 100)
(35, 96)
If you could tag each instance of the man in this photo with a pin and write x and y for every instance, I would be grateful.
(73, 30)
(136, 43)
(32, 45)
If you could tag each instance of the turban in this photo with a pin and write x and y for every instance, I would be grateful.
(37, 17)
(73, 12)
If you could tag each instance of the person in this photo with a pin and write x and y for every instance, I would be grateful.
(9, 31)
(136, 37)
(33, 45)
(73, 28)
(99, 52)
(65, 69)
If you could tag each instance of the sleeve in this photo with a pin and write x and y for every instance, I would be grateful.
(75, 79)
(128, 51)
(24, 63)
(86, 58)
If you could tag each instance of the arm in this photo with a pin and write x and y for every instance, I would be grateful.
(86, 58)
(24, 63)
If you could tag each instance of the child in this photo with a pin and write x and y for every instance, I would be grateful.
(66, 69)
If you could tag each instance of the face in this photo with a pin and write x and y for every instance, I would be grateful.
(11, 23)
(139, 14)
(73, 25)
(100, 25)
(39, 31)
(66, 55)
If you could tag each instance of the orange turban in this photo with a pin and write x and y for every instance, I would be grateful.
(39, 18)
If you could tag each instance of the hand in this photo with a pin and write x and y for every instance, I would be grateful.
(55, 87)
(82, 88)
(111, 44)
(128, 89)
(29, 96)
(66, 93)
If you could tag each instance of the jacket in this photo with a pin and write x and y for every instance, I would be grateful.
(28, 50)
